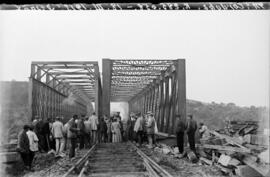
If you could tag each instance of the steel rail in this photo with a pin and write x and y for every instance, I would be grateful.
(80, 162)
(151, 162)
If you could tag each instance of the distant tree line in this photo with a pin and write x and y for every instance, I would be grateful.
(214, 114)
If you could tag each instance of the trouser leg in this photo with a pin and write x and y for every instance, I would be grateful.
(24, 158)
(191, 139)
(150, 140)
(31, 158)
(180, 142)
(72, 147)
(140, 134)
(62, 145)
(57, 145)
(81, 138)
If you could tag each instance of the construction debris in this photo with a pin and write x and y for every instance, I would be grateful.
(242, 152)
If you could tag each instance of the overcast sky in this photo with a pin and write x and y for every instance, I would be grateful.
(227, 52)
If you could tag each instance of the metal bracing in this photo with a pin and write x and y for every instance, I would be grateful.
(130, 77)
(164, 94)
(63, 88)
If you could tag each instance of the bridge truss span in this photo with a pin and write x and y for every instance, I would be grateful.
(63, 88)
(158, 86)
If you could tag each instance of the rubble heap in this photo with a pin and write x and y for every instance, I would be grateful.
(240, 152)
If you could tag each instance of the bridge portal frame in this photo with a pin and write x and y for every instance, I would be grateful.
(165, 95)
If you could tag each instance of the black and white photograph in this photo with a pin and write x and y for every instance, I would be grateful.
(135, 90)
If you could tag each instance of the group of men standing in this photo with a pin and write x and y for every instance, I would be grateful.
(55, 136)
(142, 127)
(189, 127)
(84, 131)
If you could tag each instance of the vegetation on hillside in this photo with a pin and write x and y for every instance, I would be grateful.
(214, 115)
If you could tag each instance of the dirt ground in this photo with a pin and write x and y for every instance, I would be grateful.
(46, 165)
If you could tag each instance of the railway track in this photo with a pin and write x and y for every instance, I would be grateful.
(116, 159)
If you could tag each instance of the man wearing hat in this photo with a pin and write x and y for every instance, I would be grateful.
(191, 128)
(180, 132)
(150, 128)
(58, 134)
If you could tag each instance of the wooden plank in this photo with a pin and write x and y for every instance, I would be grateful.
(225, 148)
(230, 140)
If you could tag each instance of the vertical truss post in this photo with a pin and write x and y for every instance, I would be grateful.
(97, 92)
(157, 100)
(30, 93)
(150, 98)
(38, 74)
(106, 77)
(166, 105)
(161, 103)
(172, 103)
(144, 102)
(153, 95)
(181, 84)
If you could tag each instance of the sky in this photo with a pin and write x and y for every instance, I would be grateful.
(227, 52)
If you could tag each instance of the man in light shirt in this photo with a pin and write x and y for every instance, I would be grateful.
(33, 144)
(94, 127)
(204, 132)
(87, 129)
(58, 134)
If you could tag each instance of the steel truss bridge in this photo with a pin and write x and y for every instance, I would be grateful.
(146, 85)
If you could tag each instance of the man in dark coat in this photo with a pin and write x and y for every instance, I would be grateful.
(191, 129)
(80, 126)
(38, 130)
(180, 132)
(46, 134)
(23, 147)
(72, 135)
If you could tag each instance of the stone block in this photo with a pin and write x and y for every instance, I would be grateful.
(246, 171)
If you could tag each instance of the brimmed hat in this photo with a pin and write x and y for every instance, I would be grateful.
(150, 113)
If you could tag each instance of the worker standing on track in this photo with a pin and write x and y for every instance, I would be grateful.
(138, 128)
(191, 129)
(33, 145)
(46, 134)
(94, 127)
(103, 130)
(58, 134)
(87, 132)
(80, 126)
(131, 133)
(150, 129)
(116, 131)
(66, 127)
(72, 135)
(108, 121)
